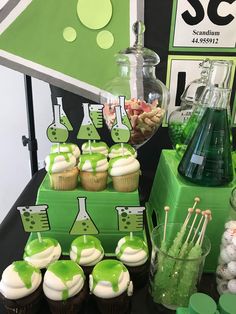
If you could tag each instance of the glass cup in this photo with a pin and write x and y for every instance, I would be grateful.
(172, 279)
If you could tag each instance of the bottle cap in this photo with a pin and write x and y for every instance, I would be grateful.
(201, 303)
(227, 303)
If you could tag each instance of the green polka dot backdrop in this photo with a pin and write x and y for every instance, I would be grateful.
(70, 44)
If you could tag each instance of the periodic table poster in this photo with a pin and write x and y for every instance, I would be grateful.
(200, 29)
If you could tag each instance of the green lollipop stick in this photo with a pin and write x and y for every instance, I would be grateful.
(188, 282)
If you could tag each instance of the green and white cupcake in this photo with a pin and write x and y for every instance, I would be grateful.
(67, 148)
(62, 171)
(86, 251)
(93, 171)
(125, 171)
(42, 253)
(133, 252)
(64, 287)
(121, 150)
(111, 287)
(21, 288)
(95, 147)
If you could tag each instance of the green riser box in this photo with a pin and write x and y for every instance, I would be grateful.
(169, 188)
(101, 206)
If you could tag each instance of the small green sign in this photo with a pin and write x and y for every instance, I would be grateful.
(83, 223)
(34, 218)
(87, 129)
(130, 218)
(56, 131)
(120, 133)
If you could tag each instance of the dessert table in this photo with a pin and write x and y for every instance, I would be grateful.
(13, 239)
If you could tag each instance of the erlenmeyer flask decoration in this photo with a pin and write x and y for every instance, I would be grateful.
(124, 116)
(56, 131)
(219, 76)
(63, 117)
(120, 133)
(208, 159)
(83, 223)
(96, 114)
(178, 120)
(87, 129)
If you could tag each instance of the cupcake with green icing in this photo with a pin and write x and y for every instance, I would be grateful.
(21, 288)
(132, 251)
(62, 171)
(64, 287)
(67, 148)
(111, 287)
(125, 171)
(86, 251)
(121, 150)
(93, 171)
(95, 147)
(42, 253)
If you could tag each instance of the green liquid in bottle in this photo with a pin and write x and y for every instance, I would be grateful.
(208, 160)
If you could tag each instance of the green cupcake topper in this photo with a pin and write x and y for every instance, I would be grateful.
(56, 131)
(87, 129)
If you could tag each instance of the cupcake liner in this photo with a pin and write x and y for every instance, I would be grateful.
(126, 183)
(139, 274)
(117, 305)
(64, 181)
(28, 305)
(91, 181)
(70, 306)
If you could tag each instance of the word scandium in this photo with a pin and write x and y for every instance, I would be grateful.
(208, 33)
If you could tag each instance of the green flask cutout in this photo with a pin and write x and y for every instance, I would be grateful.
(130, 218)
(34, 218)
(208, 159)
(124, 116)
(120, 133)
(83, 223)
(87, 129)
(57, 132)
(63, 118)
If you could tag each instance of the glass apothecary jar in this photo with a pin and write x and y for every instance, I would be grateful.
(145, 98)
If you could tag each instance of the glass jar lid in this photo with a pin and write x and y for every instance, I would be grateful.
(138, 54)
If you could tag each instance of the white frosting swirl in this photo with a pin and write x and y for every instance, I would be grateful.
(130, 256)
(54, 287)
(44, 258)
(121, 152)
(60, 163)
(102, 149)
(88, 257)
(101, 166)
(103, 289)
(12, 286)
(66, 148)
(124, 166)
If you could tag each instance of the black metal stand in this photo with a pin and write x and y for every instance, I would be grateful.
(31, 141)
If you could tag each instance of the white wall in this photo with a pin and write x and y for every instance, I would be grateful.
(14, 157)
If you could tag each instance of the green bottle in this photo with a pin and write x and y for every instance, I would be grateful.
(219, 76)
(208, 160)
(199, 303)
(227, 303)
